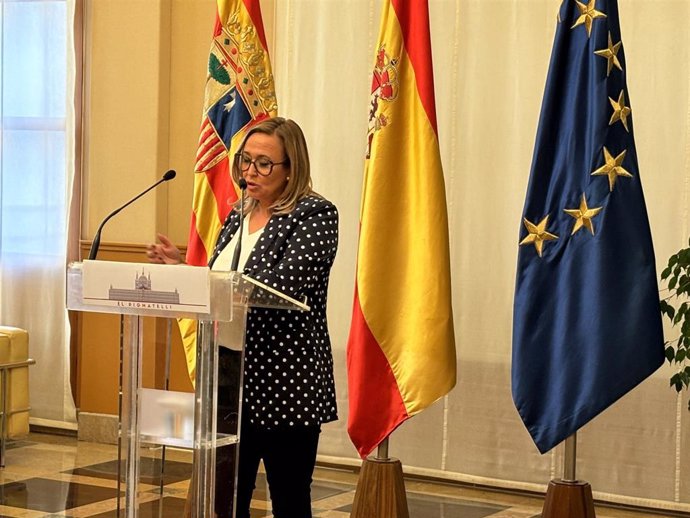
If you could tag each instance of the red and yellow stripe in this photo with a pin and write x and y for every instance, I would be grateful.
(214, 191)
(401, 349)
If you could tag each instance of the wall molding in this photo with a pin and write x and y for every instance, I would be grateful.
(117, 247)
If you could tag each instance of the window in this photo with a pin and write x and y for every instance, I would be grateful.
(33, 102)
(37, 74)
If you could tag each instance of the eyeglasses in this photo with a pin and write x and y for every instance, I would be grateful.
(262, 165)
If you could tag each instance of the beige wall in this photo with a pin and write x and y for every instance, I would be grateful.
(145, 71)
(192, 23)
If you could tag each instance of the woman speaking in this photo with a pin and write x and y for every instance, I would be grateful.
(289, 242)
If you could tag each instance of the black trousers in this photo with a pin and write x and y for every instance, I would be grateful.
(229, 369)
(289, 455)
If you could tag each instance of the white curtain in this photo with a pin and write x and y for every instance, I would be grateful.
(490, 63)
(36, 174)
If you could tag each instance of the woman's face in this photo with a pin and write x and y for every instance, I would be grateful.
(263, 148)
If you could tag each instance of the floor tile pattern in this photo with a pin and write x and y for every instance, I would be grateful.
(50, 476)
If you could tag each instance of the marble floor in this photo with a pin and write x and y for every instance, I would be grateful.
(51, 476)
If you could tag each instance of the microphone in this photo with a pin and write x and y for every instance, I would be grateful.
(236, 256)
(169, 175)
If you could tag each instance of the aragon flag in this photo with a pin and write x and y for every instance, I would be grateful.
(401, 349)
(239, 92)
(586, 319)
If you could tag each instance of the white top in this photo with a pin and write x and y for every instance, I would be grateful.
(224, 259)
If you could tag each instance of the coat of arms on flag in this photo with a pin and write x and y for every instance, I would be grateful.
(384, 87)
(239, 89)
(239, 92)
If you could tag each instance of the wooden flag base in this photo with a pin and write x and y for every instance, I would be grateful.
(565, 499)
(380, 490)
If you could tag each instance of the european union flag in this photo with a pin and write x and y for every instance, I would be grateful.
(586, 321)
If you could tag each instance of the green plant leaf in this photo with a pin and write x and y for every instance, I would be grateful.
(678, 318)
(685, 328)
(683, 282)
(684, 378)
(682, 345)
(670, 311)
(677, 351)
(684, 257)
(676, 382)
(670, 354)
(666, 309)
(683, 285)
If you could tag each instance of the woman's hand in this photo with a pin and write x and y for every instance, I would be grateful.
(164, 252)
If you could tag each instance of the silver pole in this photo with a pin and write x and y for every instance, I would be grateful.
(382, 452)
(570, 458)
(166, 386)
(119, 415)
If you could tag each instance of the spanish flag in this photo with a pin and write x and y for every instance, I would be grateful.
(401, 349)
(239, 92)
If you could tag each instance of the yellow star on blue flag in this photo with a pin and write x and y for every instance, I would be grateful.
(586, 319)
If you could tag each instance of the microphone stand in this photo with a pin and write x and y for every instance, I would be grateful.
(97, 238)
(236, 256)
(169, 175)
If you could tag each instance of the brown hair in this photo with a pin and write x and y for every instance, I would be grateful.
(299, 184)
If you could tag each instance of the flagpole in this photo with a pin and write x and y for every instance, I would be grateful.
(382, 451)
(569, 497)
(380, 488)
(570, 458)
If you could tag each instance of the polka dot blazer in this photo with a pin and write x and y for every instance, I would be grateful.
(288, 370)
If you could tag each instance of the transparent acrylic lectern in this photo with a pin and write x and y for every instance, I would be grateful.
(174, 418)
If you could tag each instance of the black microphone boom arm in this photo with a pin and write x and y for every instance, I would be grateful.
(242, 184)
(169, 175)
